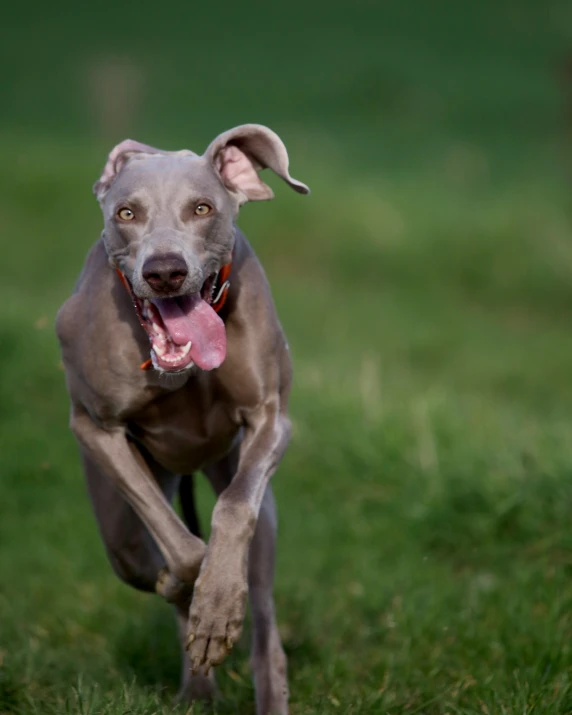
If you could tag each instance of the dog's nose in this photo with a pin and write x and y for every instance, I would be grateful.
(165, 273)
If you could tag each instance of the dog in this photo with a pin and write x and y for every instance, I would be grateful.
(175, 361)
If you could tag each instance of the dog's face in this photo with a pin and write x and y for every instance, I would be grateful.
(169, 229)
(168, 212)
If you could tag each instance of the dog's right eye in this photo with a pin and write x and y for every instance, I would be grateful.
(125, 214)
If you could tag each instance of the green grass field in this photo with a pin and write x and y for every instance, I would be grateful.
(425, 543)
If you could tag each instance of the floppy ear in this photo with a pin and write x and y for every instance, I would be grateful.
(116, 161)
(119, 156)
(239, 154)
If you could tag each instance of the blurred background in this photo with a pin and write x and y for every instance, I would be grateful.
(425, 553)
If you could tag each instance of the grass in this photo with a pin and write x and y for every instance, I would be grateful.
(425, 551)
(424, 561)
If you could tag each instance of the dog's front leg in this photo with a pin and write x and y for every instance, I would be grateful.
(121, 462)
(219, 598)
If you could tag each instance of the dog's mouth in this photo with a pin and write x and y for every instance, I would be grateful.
(185, 331)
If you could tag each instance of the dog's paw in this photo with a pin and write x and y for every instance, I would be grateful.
(171, 589)
(215, 619)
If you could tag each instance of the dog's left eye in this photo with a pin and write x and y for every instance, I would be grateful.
(203, 210)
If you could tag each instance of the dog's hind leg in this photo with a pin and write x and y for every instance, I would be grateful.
(131, 549)
(268, 661)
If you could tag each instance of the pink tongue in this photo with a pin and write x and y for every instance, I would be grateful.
(192, 318)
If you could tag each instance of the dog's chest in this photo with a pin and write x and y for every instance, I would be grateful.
(185, 429)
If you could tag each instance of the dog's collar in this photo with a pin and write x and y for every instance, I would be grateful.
(220, 293)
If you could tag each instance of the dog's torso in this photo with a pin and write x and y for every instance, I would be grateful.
(188, 428)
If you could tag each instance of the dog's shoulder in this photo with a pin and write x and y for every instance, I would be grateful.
(257, 347)
(73, 315)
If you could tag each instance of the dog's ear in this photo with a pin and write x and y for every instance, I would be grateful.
(119, 156)
(240, 153)
(116, 161)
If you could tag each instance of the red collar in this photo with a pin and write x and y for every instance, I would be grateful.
(220, 295)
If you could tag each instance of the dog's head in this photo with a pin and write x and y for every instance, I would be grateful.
(169, 229)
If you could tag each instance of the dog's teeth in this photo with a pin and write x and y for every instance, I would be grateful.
(161, 350)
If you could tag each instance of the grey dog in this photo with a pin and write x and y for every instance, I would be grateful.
(175, 361)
